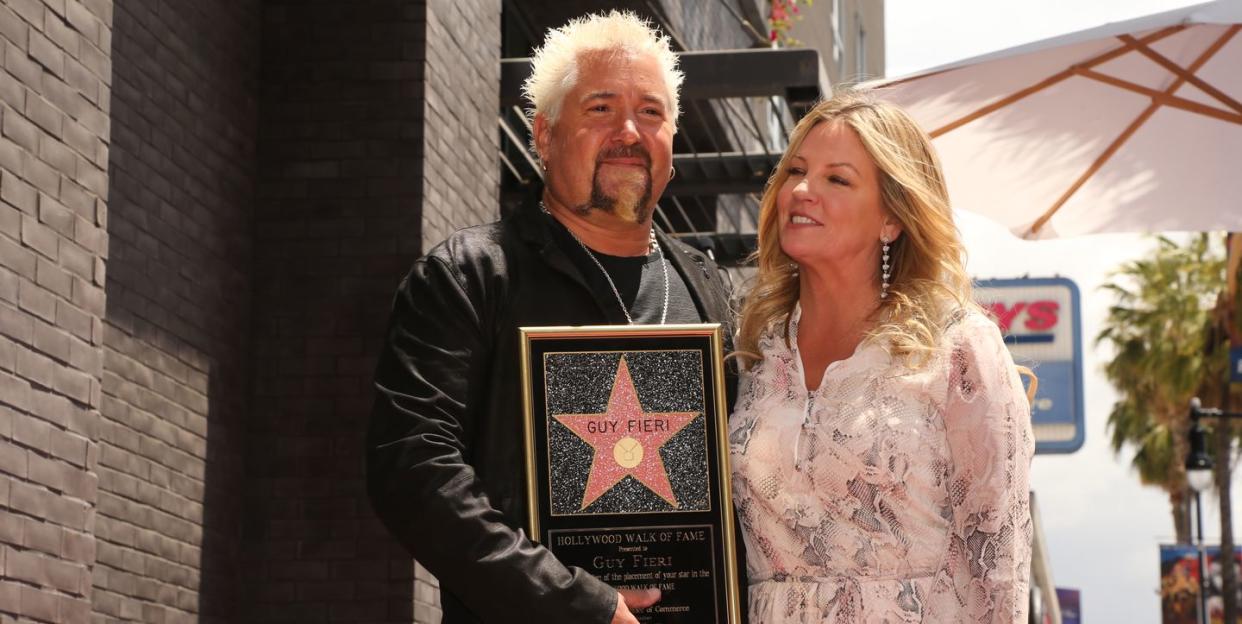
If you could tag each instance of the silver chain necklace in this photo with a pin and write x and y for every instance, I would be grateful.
(616, 293)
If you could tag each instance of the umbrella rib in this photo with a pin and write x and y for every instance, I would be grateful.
(1182, 72)
(999, 104)
(1158, 98)
(1166, 97)
(1055, 78)
(1163, 98)
(1095, 166)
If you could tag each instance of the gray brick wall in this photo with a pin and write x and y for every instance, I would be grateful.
(337, 225)
(184, 111)
(158, 464)
(55, 74)
(462, 178)
(461, 182)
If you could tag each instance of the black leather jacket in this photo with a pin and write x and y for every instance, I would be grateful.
(444, 449)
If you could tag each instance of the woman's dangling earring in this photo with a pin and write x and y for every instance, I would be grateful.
(884, 268)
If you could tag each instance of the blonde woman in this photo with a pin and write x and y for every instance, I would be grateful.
(881, 441)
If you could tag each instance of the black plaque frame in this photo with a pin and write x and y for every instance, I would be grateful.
(687, 550)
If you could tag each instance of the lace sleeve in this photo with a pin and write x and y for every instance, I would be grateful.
(987, 422)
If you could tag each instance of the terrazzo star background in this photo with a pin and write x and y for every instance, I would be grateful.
(592, 399)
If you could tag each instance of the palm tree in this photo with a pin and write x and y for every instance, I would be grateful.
(1226, 332)
(1157, 329)
(1161, 329)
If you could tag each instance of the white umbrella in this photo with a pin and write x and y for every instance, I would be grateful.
(1133, 126)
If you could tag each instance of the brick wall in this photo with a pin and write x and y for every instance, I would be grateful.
(54, 76)
(176, 334)
(336, 227)
(461, 182)
(462, 138)
(156, 463)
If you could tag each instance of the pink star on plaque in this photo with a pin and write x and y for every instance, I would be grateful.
(626, 441)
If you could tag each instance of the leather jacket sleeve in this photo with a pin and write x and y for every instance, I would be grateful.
(433, 362)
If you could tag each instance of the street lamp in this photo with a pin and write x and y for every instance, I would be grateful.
(1199, 477)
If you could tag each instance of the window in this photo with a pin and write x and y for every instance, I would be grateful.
(838, 47)
(860, 51)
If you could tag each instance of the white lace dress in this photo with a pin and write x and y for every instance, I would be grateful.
(886, 495)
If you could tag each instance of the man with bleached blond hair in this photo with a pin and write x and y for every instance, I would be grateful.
(444, 449)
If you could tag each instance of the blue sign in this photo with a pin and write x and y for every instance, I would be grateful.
(1070, 601)
(1235, 364)
(1041, 321)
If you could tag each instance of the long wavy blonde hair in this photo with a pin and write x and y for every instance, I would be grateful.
(928, 280)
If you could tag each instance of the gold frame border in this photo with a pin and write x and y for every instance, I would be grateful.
(715, 335)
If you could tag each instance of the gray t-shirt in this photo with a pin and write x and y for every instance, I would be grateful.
(639, 281)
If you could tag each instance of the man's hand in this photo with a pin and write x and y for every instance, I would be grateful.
(637, 598)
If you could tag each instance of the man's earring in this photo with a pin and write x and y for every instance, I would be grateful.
(672, 172)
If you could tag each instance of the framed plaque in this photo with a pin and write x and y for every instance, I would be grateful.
(627, 461)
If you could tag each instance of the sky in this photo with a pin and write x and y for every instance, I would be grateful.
(1103, 528)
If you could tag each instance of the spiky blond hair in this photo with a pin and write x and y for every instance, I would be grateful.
(554, 67)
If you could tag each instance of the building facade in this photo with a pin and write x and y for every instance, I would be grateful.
(849, 35)
(205, 206)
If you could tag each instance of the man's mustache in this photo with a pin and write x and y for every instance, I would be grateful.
(625, 151)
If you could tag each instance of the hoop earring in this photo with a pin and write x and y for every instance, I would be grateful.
(672, 173)
(884, 268)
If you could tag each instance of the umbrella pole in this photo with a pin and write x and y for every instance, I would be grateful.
(1230, 323)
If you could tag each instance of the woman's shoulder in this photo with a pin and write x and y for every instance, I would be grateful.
(972, 317)
(967, 327)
